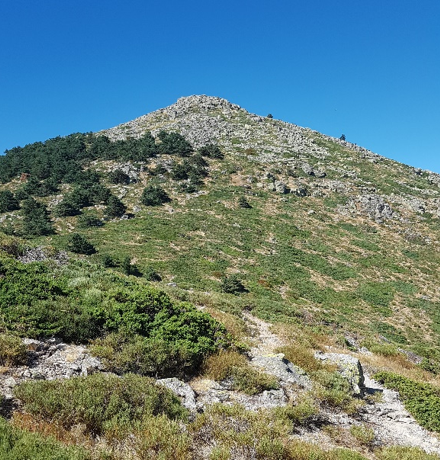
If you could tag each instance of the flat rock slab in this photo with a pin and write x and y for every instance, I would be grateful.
(287, 373)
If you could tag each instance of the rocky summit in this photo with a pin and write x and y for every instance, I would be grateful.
(207, 283)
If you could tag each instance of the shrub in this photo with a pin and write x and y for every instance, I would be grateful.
(154, 196)
(160, 438)
(79, 244)
(89, 220)
(36, 220)
(269, 115)
(363, 434)
(158, 338)
(67, 207)
(98, 401)
(8, 202)
(128, 268)
(151, 274)
(403, 453)
(16, 444)
(109, 261)
(211, 151)
(232, 285)
(243, 203)
(422, 400)
(13, 352)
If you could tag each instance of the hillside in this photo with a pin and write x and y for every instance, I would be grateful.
(162, 243)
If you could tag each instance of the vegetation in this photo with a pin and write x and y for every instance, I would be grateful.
(100, 402)
(16, 444)
(422, 400)
(313, 263)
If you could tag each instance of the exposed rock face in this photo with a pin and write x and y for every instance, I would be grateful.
(349, 367)
(50, 360)
(286, 372)
(211, 392)
(181, 389)
(371, 205)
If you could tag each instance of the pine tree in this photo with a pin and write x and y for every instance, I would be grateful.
(36, 221)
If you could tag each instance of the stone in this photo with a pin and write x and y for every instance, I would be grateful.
(349, 367)
(182, 390)
(287, 373)
(281, 187)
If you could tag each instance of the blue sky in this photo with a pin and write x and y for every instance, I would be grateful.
(370, 69)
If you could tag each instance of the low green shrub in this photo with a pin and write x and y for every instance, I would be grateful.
(422, 400)
(16, 444)
(403, 453)
(13, 352)
(99, 401)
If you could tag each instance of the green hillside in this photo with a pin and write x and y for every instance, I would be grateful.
(128, 240)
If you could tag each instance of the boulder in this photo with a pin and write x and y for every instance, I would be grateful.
(349, 367)
(182, 390)
(287, 373)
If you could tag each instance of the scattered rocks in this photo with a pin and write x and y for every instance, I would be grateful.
(49, 360)
(371, 205)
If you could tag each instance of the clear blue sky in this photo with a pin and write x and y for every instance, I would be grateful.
(368, 69)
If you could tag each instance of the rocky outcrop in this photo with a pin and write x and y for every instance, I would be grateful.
(287, 373)
(49, 360)
(349, 367)
(372, 205)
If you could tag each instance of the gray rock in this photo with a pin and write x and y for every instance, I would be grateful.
(181, 389)
(349, 367)
(282, 369)
(307, 169)
(280, 187)
(300, 190)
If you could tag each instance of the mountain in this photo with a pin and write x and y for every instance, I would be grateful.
(110, 238)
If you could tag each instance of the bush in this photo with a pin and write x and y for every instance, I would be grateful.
(36, 220)
(174, 144)
(67, 207)
(211, 151)
(243, 203)
(231, 365)
(16, 444)
(13, 352)
(232, 285)
(79, 244)
(154, 196)
(118, 177)
(89, 220)
(151, 274)
(98, 401)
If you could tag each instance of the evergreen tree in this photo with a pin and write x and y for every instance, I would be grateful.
(174, 144)
(154, 196)
(36, 220)
(79, 244)
(115, 207)
(8, 202)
